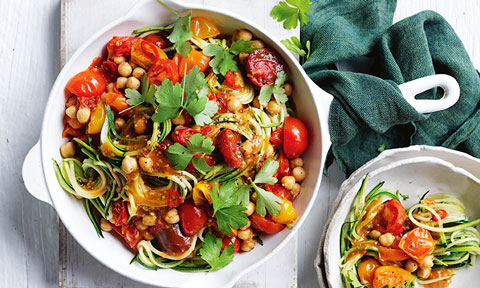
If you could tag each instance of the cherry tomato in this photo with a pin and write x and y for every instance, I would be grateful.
(295, 137)
(73, 122)
(228, 241)
(172, 241)
(182, 134)
(173, 198)
(120, 46)
(117, 101)
(130, 234)
(109, 70)
(279, 191)
(163, 69)
(276, 138)
(203, 27)
(265, 225)
(263, 65)
(96, 120)
(394, 215)
(442, 213)
(366, 270)
(283, 168)
(391, 276)
(157, 40)
(230, 81)
(222, 106)
(145, 54)
(287, 214)
(195, 57)
(227, 143)
(391, 254)
(119, 211)
(417, 243)
(192, 217)
(88, 83)
(438, 273)
(69, 131)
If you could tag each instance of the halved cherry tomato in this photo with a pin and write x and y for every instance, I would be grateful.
(119, 211)
(203, 27)
(263, 65)
(442, 213)
(192, 217)
(120, 46)
(227, 143)
(69, 131)
(279, 191)
(366, 270)
(417, 243)
(195, 57)
(145, 54)
(287, 214)
(117, 101)
(109, 70)
(229, 241)
(182, 134)
(73, 122)
(157, 40)
(173, 198)
(88, 83)
(222, 106)
(163, 69)
(391, 276)
(394, 215)
(391, 254)
(130, 234)
(295, 137)
(230, 81)
(283, 168)
(97, 119)
(276, 138)
(265, 225)
(438, 273)
(172, 241)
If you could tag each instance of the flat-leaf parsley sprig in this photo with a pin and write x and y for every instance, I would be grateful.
(290, 12)
(222, 56)
(266, 200)
(212, 253)
(179, 156)
(276, 90)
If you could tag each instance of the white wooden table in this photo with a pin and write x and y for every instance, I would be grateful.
(30, 61)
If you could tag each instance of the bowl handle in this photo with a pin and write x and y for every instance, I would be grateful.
(32, 173)
(449, 85)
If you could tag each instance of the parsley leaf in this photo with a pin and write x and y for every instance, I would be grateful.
(198, 143)
(205, 117)
(267, 200)
(210, 252)
(276, 90)
(225, 208)
(222, 57)
(291, 14)
(179, 156)
(169, 98)
(201, 165)
(294, 45)
(265, 175)
(243, 194)
(181, 34)
(135, 98)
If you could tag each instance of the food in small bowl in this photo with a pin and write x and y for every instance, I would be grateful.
(383, 244)
(184, 143)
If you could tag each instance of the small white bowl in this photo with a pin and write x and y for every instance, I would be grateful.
(413, 177)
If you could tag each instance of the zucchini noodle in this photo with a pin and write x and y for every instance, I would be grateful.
(150, 250)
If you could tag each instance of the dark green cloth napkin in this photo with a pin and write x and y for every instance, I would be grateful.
(368, 111)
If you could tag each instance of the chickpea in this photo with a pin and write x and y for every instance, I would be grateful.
(118, 123)
(258, 44)
(295, 190)
(110, 87)
(172, 216)
(246, 147)
(129, 164)
(149, 220)
(105, 225)
(71, 111)
(288, 182)
(148, 236)
(427, 262)
(250, 208)
(124, 69)
(254, 196)
(247, 245)
(140, 125)
(375, 234)
(245, 234)
(83, 115)
(179, 120)
(411, 266)
(424, 273)
(244, 35)
(297, 162)
(273, 107)
(196, 127)
(256, 103)
(67, 150)
(246, 226)
(138, 72)
(386, 239)
(243, 57)
(146, 164)
(234, 105)
(299, 174)
(288, 88)
(140, 226)
(133, 83)
(103, 97)
(119, 59)
(121, 82)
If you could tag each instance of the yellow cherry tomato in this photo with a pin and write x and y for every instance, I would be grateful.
(391, 276)
(287, 215)
(145, 54)
(366, 270)
(201, 193)
(203, 27)
(97, 119)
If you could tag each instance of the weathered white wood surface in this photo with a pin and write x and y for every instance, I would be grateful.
(29, 61)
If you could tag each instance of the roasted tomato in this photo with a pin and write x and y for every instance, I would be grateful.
(88, 83)
(276, 138)
(172, 240)
(265, 225)
(130, 234)
(279, 191)
(69, 131)
(97, 119)
(295, 137)
(203, 27)
(442, 213)
(163, 69)
(109, 70)
(119, 211)
(120, 46)
(182, 134)
(366, 270)
(391, 254)
(284, 167)
(438, 273)
(230, 81)
(227, 143)
(229, 241)
(145, 54)
(417, 243)
(173, 198)
(192, 217)
(263, 65)
(287, 214)
(394, 216)
(117, 101)
(390, 277)
(195, 58)
(157, 40)
(222, 106)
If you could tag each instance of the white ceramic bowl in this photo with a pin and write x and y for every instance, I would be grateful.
(412, 177)
(41, 182)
